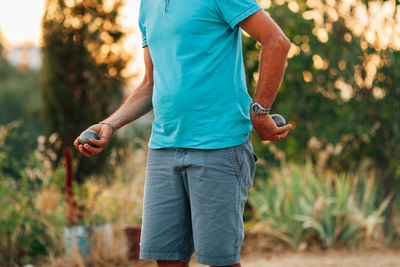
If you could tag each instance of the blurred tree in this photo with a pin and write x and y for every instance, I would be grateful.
(19, 101)
(341, 85)
(82, 78)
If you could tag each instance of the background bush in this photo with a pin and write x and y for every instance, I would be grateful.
(300, 206)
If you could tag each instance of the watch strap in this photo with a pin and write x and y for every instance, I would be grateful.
(257, 109)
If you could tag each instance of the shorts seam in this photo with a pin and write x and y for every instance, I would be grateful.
(167, 251)
(181, 246)
(234, 162)
(165, 255)
(217, 257)
(217, 260)
(235, 165)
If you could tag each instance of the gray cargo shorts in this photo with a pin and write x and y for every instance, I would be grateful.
(194, 201)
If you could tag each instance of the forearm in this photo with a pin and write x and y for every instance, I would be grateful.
(272, 67)
(135, 106)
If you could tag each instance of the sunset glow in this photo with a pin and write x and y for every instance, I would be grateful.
(20, 20)
(20, 23)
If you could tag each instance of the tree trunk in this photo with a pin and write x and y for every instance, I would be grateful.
(69, 179)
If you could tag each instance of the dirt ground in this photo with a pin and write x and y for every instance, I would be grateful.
(320, 259)
(328, 259)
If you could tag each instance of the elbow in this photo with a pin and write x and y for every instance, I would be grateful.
(148, 81)
(284, 42)
(280, 43)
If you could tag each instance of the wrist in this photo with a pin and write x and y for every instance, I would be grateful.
(265, 101)
(258, 109)
(256, 118)
(109, 124)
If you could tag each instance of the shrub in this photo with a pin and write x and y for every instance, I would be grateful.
(25, 228)
(299, 206)
(23, 233)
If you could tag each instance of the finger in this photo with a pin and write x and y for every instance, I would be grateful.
(84, 151)
(274, 138)
(280, 136)
(76, 143)
(92, 150)
(283, 135)
(285, 128)
(101, 143)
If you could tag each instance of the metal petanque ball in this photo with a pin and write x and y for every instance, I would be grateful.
(86, 135)
(279, 120)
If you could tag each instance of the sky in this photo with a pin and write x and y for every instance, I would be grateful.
(20, 22)
(20, 19)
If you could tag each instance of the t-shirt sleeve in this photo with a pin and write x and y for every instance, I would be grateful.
(143, 31)
(234, 11)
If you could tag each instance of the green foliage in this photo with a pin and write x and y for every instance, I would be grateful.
(340, 89)
(8, 146)
(24, 233)
(82, 73)
(34, 207)
(300, 206)
(19, 94)
(19, 101)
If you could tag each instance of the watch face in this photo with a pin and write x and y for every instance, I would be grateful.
(255, 108)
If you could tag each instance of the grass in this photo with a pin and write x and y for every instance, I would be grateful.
(34, 211)
(298, 205)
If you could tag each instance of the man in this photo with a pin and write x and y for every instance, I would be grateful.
(200, 163)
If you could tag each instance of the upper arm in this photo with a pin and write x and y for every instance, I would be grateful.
(262, 28)
(148, 63)
(234, 11)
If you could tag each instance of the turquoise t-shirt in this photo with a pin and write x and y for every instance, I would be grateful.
(200, 98)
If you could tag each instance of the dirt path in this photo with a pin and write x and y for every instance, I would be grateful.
(307, 259)
(328, 259)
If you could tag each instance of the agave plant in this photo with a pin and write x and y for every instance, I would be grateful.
(298, 205)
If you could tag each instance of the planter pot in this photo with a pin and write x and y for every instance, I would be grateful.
(76, 237)
(80, 237)
(104, 232)
(133, 237)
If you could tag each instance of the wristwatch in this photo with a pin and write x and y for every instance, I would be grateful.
(257, 109)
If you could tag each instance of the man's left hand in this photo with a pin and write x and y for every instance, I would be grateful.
(267, 129)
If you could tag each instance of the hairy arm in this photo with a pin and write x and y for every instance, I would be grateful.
(275, 46)
(135, 106)
(139, 102)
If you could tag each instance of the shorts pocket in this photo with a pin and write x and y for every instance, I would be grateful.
(254, 157)
(234, 161)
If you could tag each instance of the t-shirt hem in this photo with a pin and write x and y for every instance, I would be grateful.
(214, 145)
(244, 15)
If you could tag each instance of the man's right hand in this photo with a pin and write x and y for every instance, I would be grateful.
(104, 131)
(267, 129)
